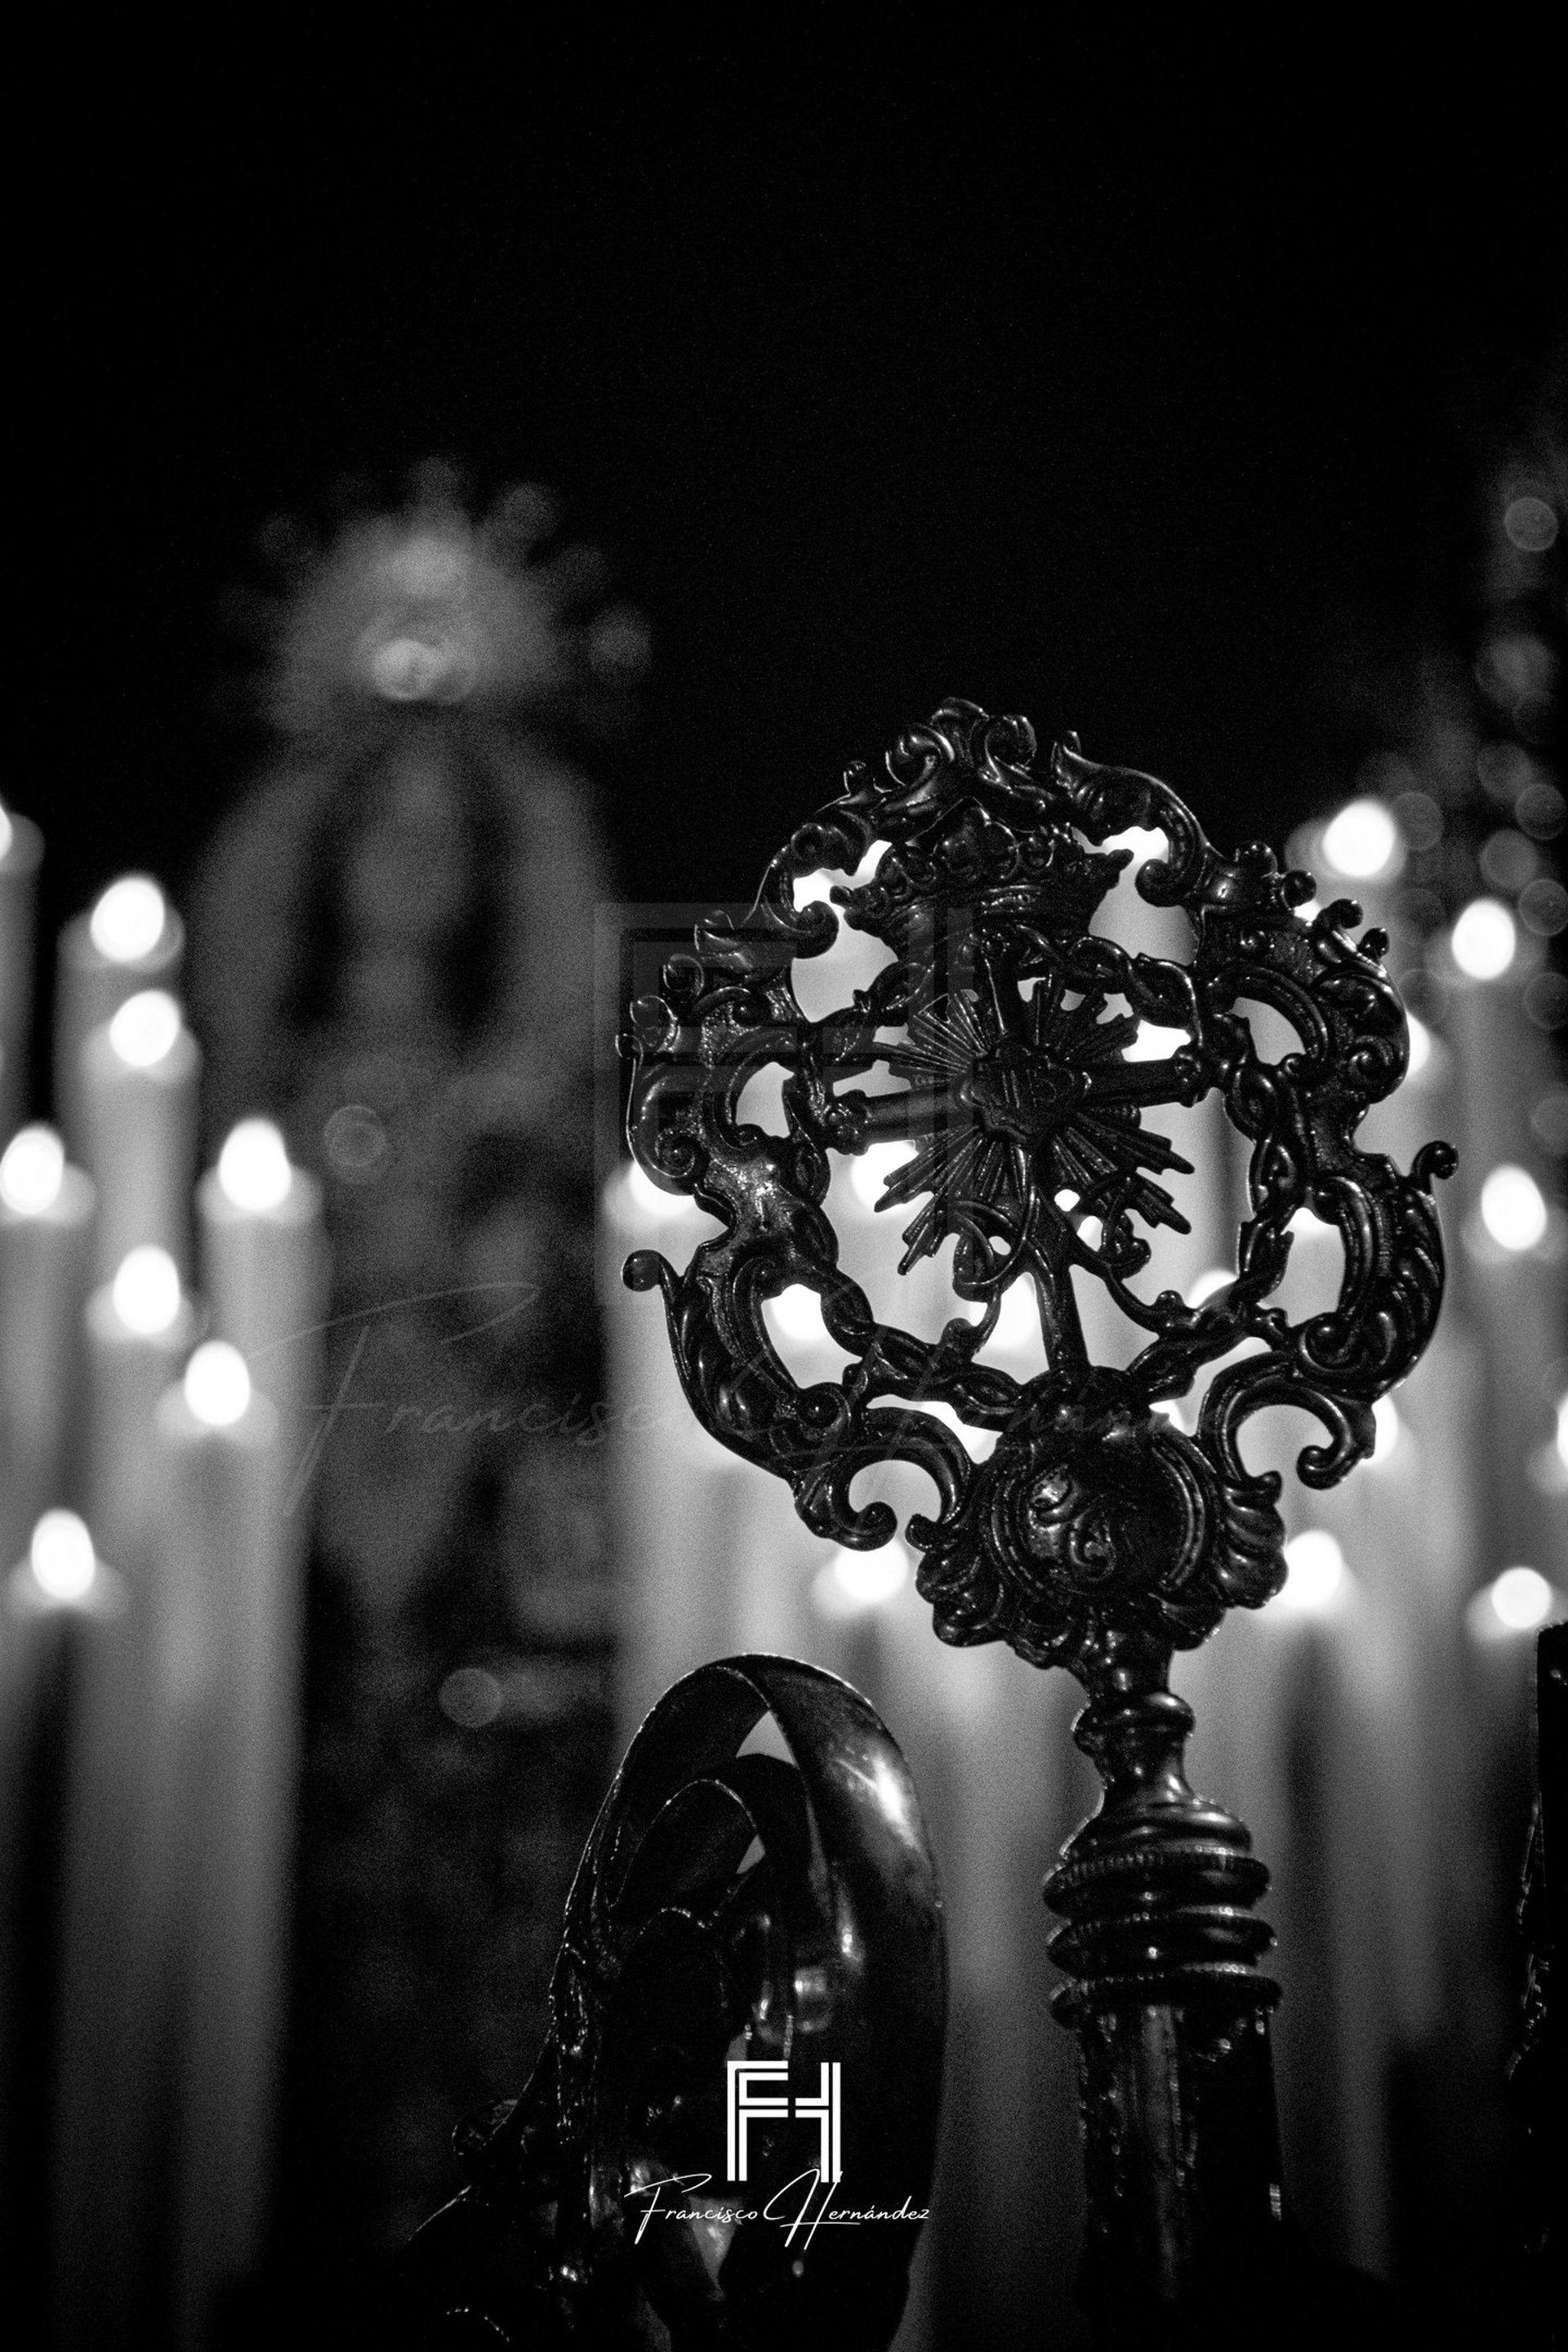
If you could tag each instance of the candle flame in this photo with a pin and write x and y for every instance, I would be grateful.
(1512, 1209)
(856, 1580)
(1316, 1573)
(33, 1170)
(1484, 939)
(129, 919)
(7, 830)
(146, 1291)
(61, 1555)
(217, 1384)
(253, 1170)
(1522, 1598)
(143, 1031)
(1362, 841)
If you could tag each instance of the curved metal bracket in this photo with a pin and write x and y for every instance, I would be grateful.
(731, 1903)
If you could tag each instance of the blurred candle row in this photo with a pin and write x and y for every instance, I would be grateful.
(150, 1635)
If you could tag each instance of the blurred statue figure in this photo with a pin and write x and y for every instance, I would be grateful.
(392, 938)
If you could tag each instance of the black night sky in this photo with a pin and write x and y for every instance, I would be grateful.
(1092, 385)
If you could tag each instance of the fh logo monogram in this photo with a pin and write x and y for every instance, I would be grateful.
(771, 2103)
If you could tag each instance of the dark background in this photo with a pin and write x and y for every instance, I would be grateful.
(1140, 390)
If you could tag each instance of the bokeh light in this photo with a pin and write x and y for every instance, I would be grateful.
(61, 1556)
(1315, 1567)
(1362, 841)
(217, 1384)
(1513, 1210)
(32, 1170)
(1520, 1598)
(648, 1201)
(1484, 939)
(143, 1031)
(129, 919)
(797, 1310)
(1530, 523)
(146, 1291)
(253, 1170)
(853, 1582)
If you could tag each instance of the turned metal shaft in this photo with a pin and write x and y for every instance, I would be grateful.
(1171, 2015)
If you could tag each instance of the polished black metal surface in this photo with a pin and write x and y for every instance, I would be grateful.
(1098, 1534)
(731, 1903)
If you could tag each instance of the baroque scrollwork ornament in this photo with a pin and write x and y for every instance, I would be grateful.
(1096, 1519)
(1100, 1533)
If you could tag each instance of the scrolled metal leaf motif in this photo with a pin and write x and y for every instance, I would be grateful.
(1097, 1528)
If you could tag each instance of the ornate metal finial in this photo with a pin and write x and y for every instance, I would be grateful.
(1097, 1521)
(1098, 1534)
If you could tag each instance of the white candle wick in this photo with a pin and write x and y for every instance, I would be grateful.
(129, 919)
(146, 1291)
(217, 1384)
(143, 1031)
(33, 1170)
(61, 1555)
(253, 1170)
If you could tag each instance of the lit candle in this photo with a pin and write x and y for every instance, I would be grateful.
(129, 940)
(228, 1653)
(21, 850)
(1494, 1045)
(140, 1329)
(1501, 1622)
(46, 1228)
(264, 1273)
(65, 1738)
(139, 1077)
